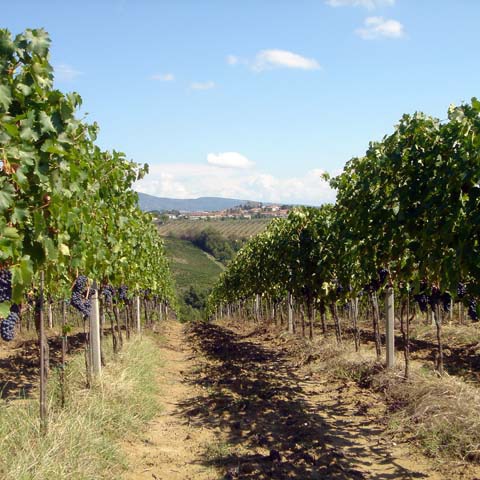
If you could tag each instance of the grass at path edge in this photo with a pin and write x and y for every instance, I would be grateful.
(82, 442)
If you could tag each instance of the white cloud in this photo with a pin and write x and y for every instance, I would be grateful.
(65, 73)
(370, 4)
(232, 60)
(376, 27)
(163, 77)
(268, 59)
(189, 180)
(229, 160)
(202, 86)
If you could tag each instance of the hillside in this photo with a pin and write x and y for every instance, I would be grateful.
(149, 203)
(190, 266)
(228, 228)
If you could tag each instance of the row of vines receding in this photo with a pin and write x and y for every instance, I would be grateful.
(406, 221)
(71, 232)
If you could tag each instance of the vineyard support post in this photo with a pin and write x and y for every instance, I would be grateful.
(50, 314)
(290, 312)
(64, 353)
(43, 373)
(390, 327)
(95, 352)
(137, 313)
(257, 307)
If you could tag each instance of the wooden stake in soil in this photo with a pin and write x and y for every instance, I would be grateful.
(356, 333)
(438, 322)
(290, 312)
(137, 314)
(64, 353)
(101, 303)
(95, 334)
(390, 327)
(116, 313)
(43, 379)
(50, 314)
(112, 326)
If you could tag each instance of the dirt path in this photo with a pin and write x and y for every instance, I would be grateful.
(239, 408)
(171, 448)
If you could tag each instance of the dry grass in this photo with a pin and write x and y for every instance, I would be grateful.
(441, 414)
(452, 334)
(81, 442)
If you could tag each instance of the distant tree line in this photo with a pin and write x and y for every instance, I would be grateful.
(214, 243)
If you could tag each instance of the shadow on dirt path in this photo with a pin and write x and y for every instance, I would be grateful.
(279, 424)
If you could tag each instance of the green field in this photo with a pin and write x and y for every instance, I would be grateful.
(190, 265)
(228, 228)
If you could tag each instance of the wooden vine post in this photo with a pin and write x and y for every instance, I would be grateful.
(43, 373)
(137, 314)
(390, 327)
(290, 313)
(95, 351)
(64, 353)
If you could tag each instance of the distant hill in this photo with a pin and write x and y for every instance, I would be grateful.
(148, 203)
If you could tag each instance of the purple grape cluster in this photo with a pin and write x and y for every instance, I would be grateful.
(79, 298)
(5, 285)
(108, 292)
(147, 292)
(122, 293)
(472, 310)
(7, 326)
(461, 290)
(382, 275)
(434, 298)
(377, 283)
(423, 301)
(446, 300)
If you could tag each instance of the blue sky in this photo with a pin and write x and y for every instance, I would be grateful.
(255, 98)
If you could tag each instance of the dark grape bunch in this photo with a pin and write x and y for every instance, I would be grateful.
(147, 292)
(7, 325)
(122, 292)
(79, 293)
(108, 292)
(472, 310)
(422, 300)
(5, 285)
(382, 275)
(434, 298)
(461, 290)
(371, 287)
(376, 283)
(446, 300)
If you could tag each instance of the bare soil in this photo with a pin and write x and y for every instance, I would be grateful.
(172, 447)
(237, 405)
